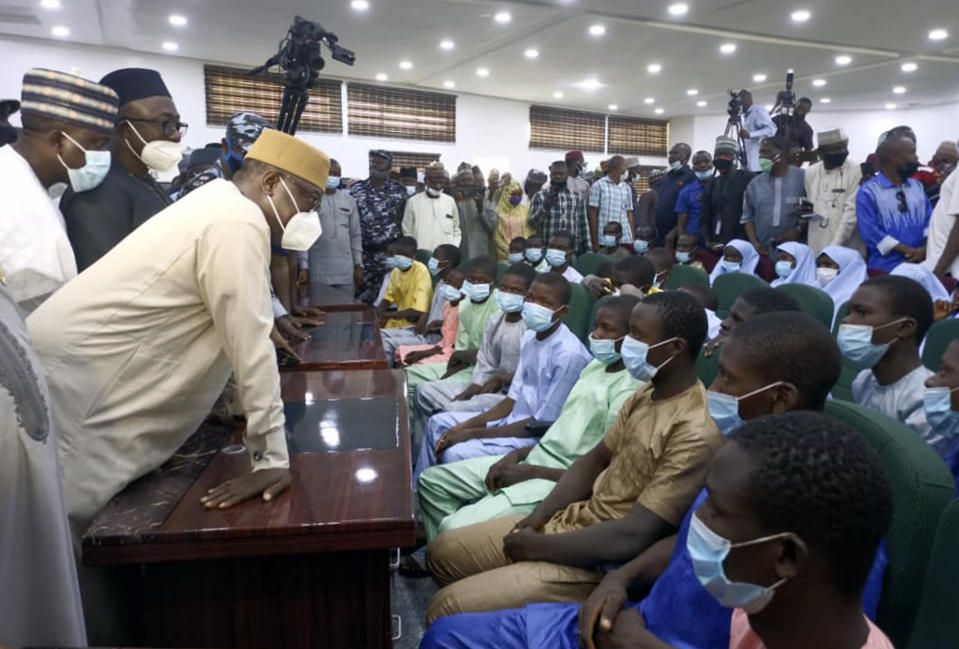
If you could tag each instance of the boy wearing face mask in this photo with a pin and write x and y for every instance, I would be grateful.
(517, 250)
(432, 217)
(535, 253)
(941, 402)
(559, 254)
(831, 185)
(609, 241)
(146, 139)
(888, 318)
(410, 289)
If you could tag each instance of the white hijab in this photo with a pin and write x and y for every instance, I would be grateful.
(852, 273)
(805, 270)
(925, 277)
(750, 260)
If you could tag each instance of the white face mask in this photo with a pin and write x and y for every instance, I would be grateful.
(302, 230)
(826, 275)
(91, 174)
(410, 190)
(159, 155)
(435, 193)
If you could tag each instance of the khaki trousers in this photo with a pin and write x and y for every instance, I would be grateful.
(476, 576)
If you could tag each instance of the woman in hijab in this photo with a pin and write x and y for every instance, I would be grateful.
(840, 271)
(738, 257)
(512, 219)
(795, 265)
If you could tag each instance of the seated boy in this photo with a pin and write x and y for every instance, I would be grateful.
(631, 276)
(687, 245)
(410, 289)
(551, 358)
(517, 250)
(609, 241)
(644, 240)
(535, 251)
(941, 402)
(496, 359)
(888, 318)
(450, 291)
(662, 261)
(427, 330)
(560, 254)
(750, 304)
(625, 494)
(389, 265)
(504, 485)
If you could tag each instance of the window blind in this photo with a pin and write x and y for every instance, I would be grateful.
(412, 159)
(638, 136)
(558, 128)
(401, 113)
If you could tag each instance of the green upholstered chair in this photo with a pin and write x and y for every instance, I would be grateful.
(937, 339)
(841, 313)
(936, 621)
(922, 486)
(730, 286)
(843, 388)
(588, 263)
(707, 368)
(423, 256)
(813, 302)
(681, 276)
(580, 311)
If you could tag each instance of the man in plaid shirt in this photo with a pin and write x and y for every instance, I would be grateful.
(557, 209)
(611, 199)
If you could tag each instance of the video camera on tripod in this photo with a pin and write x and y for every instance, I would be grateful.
(300, 56)
(735, 123)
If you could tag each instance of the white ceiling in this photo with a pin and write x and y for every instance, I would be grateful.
(878, 34)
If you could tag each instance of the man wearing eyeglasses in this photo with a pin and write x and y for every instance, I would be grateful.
(892, 209)
(146, 138)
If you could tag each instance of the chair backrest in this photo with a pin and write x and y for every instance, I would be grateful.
(939, 607)
(423, 256)
(730, 286)
(588, 263)
(812, 301)
(580, 310)
(921, 486)
(940, 335)
(843, 388)
(681, 276)
(841, 313)
(707, 367)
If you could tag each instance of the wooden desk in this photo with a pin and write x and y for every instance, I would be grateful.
(309, 569)
(330, 299)
(347, 340)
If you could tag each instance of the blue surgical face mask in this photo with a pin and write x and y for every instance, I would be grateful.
(510, 302)
(640, 246)
(937, 402)
(92, 173)
(390, 262)
(724, 408)
(731, 266)
(515, 257)
(534, 255)
(433, 265)
(707, 551)
(855, 343)
(476, 292)
(683, 257)
(704, 175)
(634, 357)
(402, 262)
(537, 317)
(450, 293)
(556, 258)
(784, 269)
(332, 182)
(604, 350)
(607, 240)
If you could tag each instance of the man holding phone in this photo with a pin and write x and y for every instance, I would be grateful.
(831, 187)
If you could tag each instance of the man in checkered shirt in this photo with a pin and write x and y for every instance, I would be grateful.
(556, 209)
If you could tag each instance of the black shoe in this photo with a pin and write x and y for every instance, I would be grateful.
(411, 568)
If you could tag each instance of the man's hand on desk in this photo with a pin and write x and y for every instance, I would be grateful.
(281, 343)
(268, 483)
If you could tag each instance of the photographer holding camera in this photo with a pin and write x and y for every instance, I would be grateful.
(756, 125)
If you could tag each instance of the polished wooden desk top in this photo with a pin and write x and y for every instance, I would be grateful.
(347, 340)
(345, 500)
(329, 299)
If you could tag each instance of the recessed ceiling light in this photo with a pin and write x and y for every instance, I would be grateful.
(899, 90)
(909, 67)
(890, 107)
(449, 84)
(170, 46)
(679, 9)
(727, 48)
(692, 92)
(177, 20)
(589, 84)
(406, 65)
(843, 60)
(557, 95)
(50, 4)
(382, 77)
(701, 103)
(482, 72)
(654, 68)
(649, 100)
(531, 53)
(759, 78)
(659, 111)
(503, 17)
(825, 100)
(613, 107)
(800, 15)
(938, 35)
(60, 31)
(597, 30)
(447, 45)
(819, 83)
(360, 5)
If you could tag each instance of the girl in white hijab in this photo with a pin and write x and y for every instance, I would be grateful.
(925, 277)
(840, 271)
(738, 257)
(795, 265)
